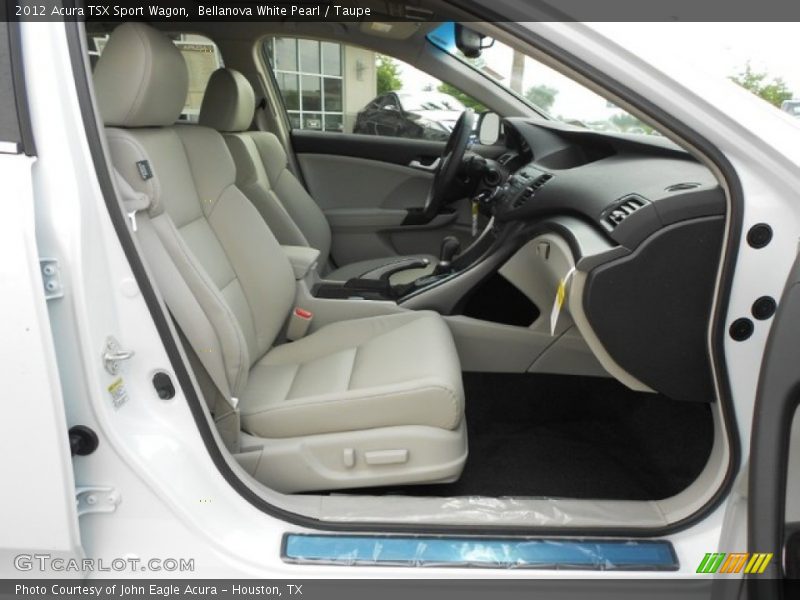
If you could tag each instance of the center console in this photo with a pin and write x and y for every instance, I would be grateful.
(378, 283)
(374, 284)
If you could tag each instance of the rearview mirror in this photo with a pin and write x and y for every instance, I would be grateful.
(471, 43)
(489, 128)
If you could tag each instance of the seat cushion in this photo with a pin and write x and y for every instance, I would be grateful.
(357, 269)
(382, 371)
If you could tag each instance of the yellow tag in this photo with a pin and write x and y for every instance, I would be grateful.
(558, 301)
(561, 293)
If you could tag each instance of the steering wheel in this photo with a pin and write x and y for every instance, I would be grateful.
(450, 161)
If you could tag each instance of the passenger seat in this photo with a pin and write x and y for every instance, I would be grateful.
(263, 175)
(366, 402)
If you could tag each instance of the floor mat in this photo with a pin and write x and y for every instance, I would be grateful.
(575, 437)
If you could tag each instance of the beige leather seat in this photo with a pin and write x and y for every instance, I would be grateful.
(365, 402)
(263, 175)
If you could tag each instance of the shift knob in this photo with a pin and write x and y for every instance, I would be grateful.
(450, 247)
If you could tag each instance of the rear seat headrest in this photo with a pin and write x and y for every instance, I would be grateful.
(141, 78)
(229, 102)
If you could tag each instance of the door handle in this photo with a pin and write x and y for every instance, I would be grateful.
(416, 164)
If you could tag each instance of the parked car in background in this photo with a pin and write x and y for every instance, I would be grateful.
(792, 107)
(417, 115)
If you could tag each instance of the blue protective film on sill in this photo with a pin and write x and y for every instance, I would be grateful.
(418, 551)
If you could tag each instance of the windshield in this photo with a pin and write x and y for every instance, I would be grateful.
(429, 101)
(540, 86)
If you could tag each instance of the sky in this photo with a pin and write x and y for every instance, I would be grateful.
(718, 49)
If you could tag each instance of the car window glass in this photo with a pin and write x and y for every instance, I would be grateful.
(390, 101)
(202, 59)
(327, 86)
(542, 87)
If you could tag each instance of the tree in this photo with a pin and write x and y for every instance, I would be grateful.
(388, 74)
(477, 63)
(542, 96)
(467, 101)
(774, 91)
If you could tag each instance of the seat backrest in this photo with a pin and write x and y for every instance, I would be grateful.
(214, 258)
(262, 170)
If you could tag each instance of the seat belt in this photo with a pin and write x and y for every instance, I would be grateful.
(133, 203)
(225, 413)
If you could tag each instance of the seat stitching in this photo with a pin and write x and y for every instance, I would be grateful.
(352, 368)
(242, 372)
(202, 217)
(297, 368)
(387, 328)
(224, 287)
(259, 336)
(192, 222)
(453, 397)
(201, 275)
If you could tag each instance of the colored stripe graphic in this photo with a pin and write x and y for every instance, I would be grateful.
(758, 563)
(734, 563)
(720, 562)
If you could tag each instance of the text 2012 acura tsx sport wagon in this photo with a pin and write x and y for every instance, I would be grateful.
(240, 340)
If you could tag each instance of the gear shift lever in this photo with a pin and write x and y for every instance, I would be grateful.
(450, 248)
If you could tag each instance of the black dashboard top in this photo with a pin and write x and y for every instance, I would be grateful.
(628, 186)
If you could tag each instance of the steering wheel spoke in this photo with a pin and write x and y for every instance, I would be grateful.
(450, 161)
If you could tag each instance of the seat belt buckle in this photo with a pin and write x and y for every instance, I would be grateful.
(299, 323)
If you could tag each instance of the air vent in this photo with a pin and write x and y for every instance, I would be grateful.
(621, 210)
(530, 191)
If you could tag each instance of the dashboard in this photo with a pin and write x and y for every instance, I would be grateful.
(645, 222)
(629, 187)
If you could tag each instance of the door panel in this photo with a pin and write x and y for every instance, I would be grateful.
(345, 182)
(38, 512)
(399, 151)
(365, 185)
(771, 451)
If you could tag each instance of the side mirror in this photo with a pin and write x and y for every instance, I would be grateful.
(471, 43)
(489, 128)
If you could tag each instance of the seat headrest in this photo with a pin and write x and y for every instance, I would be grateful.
(141, 78)
(229, 102)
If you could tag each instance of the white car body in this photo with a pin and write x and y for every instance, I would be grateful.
(156, 490)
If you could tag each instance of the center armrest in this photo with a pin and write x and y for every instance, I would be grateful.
(302, 258)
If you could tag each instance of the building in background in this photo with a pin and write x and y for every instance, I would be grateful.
(323, 84)
(202, 59)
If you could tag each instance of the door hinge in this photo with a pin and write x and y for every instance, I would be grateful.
(51, 278)
(96, 499)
